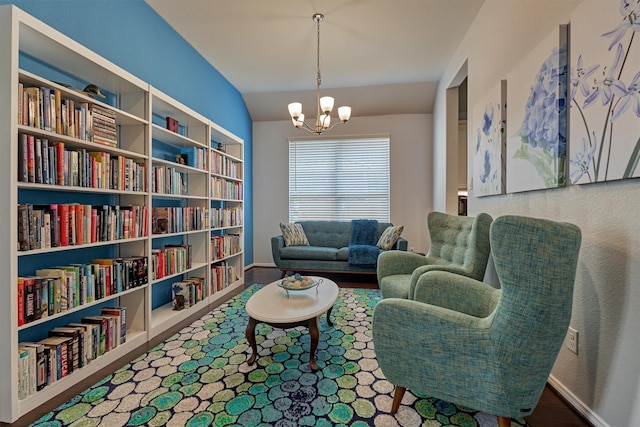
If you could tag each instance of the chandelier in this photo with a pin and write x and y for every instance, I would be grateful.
(324, 104)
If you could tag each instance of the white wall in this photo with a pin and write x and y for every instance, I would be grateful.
(603, 380)
(410, 164)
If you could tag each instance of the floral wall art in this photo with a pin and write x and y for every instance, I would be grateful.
(488, 138)
(537, 131)
(605, 91)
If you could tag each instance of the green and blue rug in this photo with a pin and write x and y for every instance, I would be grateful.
(199, 377)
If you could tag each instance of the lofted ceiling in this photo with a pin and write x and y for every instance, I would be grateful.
(378, 56)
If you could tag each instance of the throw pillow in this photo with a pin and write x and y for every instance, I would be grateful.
(293, 234)
(389, 237)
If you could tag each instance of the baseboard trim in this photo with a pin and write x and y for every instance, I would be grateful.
(262, 264)
(576, 403)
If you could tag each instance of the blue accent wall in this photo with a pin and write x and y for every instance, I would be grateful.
(132, 35)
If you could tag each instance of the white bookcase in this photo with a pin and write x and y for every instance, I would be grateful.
(35, 55)
(226, 190)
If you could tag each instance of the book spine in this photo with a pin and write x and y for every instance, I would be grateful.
(63, 211)
(21, 302)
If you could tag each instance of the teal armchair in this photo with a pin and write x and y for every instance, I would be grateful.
(459, 244)
(489, 349)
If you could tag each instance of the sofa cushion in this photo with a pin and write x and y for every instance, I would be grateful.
(293, 234)
(318, 253)
(390, 236)
(343, 254)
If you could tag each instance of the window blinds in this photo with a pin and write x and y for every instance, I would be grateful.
(339, 179)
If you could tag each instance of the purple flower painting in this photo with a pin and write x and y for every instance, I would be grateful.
(604, 91)
(537, 100)
(489, 118)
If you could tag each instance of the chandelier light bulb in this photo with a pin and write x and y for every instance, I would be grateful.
(344, 113)
(295, 109)
(299, 122)
(326, 104)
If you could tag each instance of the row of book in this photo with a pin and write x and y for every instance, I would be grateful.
(58, 289)
(195, 157)
(226, 217)
(178, 219)
(188, 292)
(169, 180)
(223, 165)
(222, 275)
(224, 246)
(70, 224)
(69, 348)
(171, 259)
(42, 161)
(45, 108)
(223, 189)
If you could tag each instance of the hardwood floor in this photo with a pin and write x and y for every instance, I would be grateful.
(552, 410)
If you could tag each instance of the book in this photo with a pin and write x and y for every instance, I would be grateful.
(29, 299)
(23, 373)
(87, 345)
(21, 317)
(40, 367)
(57, 288)
(121, 313)
(63, 215)
(103, 323)
(60, 347)
(32, 376)
(23, 158)
(75, 350)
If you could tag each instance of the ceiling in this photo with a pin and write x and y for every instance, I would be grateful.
(378, 56)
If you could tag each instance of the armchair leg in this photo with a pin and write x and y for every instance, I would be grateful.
(504, 422)
(397, 398)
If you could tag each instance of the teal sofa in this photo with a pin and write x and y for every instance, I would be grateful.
(328, 249)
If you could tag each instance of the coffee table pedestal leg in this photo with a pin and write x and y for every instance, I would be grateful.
(250, 334)
(314, 334)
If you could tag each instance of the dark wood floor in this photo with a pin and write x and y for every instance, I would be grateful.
(552, 410)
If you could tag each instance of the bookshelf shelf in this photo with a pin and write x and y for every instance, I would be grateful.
(67, 188)
(109, 151)
(174, 138)
(84, 246)
(195, 266)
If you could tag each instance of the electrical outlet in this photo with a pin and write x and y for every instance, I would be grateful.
(572, 340)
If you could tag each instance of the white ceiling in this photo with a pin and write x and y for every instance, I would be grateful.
(378, 56)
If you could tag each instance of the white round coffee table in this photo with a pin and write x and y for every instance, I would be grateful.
(287, 309)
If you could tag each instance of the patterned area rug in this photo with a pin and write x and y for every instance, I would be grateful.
(199, 377)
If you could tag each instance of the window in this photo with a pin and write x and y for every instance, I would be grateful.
(339, 179)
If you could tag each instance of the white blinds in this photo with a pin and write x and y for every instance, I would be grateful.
(339, 179)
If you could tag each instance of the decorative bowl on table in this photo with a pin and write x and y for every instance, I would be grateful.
(298, 282)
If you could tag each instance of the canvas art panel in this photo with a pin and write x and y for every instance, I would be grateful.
(488, 141)
(537, 132)
(605, 91)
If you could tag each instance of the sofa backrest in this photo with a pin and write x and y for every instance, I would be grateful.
(332, 234)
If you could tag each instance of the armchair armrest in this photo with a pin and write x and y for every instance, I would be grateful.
(398, 262)
(431, 264)
(459, 293)
(277, 243)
